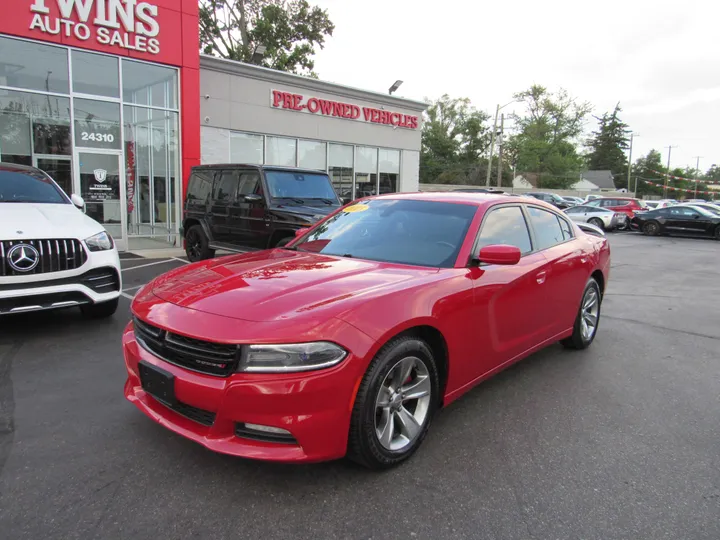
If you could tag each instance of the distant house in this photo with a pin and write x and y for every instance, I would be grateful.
(595, 181)
(589, 181)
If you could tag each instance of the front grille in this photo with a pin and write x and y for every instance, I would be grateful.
(55, 256)
(201, 416)
(215, 359)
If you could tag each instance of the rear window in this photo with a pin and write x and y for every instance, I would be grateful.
(200, 186)
(29, 187)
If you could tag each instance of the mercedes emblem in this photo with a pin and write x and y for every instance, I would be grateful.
(23, 257)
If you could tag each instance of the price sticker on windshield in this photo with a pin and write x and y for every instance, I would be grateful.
(356, 208)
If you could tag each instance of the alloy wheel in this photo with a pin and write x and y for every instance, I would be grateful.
(589, 314)
(402, 404)
(193, 245)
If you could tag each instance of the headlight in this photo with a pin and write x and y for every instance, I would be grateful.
(99, 242)
(291, 357)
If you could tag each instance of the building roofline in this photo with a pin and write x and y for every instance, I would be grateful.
(266, 74)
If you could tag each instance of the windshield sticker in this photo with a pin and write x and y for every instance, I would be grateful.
(356, 208)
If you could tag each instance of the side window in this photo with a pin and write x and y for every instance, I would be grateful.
(595, 203)
(226, 186)
(608, 202)
(200, 186)
(565, 227)
(250, 184)
(622, 203)
(576, 210)
(546, 227)
(505, 225)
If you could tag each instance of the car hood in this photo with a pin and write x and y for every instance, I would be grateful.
(281, 284)
(317, 212)
(20, 221)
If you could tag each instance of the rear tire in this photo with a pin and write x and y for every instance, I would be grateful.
(387, 425)
(717, 233)
(197, 245)
(588, 318)
(100, 311)
(651, 228)
(597, 222)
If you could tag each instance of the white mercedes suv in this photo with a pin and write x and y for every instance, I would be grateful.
(51, 254)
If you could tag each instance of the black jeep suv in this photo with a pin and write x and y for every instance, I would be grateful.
(249, 207)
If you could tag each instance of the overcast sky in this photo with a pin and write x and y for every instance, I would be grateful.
(659, 59)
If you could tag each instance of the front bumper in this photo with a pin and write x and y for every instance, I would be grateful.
(89, 284)
(315, 407)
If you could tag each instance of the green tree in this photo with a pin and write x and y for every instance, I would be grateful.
(288, 29)
(455, 136)
(548, 132)
(649, 168)
(608, 145)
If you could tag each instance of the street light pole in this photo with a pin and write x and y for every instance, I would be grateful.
(492, 140)
(632, 135)
(667, 175)
(501, 143)
(697, 170)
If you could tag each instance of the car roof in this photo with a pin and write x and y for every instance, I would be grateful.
(14, 167)
(257, 167)
(461, 197)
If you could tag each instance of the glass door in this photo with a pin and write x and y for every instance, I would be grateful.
(59, 169)
(98, 174)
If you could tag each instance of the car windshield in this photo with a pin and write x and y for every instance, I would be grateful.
(29, 187)
(703, 211)
(557, 198)
(421, 233)
(300, 186)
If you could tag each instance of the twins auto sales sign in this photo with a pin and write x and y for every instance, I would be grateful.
(144, 29)
(338, 109)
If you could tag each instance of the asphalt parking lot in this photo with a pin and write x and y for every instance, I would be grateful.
(619, 441)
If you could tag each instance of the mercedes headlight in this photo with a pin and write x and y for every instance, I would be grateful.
(291, 357)
(99, 242)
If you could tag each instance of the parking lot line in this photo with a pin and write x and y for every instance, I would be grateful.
(149, 264)
(126, 295)
(181, 260)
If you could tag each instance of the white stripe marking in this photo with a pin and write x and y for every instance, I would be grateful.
(181, 260)
(126, 295)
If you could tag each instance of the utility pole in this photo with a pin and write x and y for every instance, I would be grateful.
(667, 175)
(697, 170)
(500, 149)
(492, 147)
(632, 135)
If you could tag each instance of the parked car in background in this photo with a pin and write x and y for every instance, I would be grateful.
(251, 207)
(681, 220)
(553, 198)
(664, 203)
(52, 255)
(348, 340)
(493, 191)
(603, 218)
(650, 204)
(573, 200)
(712, 208)
(627, 205)
(591, 197)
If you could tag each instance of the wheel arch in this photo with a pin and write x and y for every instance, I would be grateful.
(279, 235)
(192, 221)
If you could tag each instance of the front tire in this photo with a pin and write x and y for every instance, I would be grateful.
(651, 228)
(100, 311)
(197, 245)
(395, 404)
(588, 318)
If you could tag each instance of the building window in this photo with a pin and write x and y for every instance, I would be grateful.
(366, 162)
(340, 160)
(246, 148)
(389, 170)
(312, 155)
(97, 124)
(33, 66)
(146, 84)
(95, 74)
(281, 151)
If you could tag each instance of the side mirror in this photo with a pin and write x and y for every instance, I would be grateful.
(499, 254)
(78, 201)
(253, 198)
(302, 231)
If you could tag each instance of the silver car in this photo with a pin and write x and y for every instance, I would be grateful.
(602, 218)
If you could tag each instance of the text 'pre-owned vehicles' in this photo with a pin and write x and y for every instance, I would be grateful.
(348, 340)
(251, 207)
(51, 254)
(684, 220)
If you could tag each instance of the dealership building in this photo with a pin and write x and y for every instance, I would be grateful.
(114, 101)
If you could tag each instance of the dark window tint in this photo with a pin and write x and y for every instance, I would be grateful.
(423, 233)
(200, 186)
(505, 226)
(576, 210)
(250, 184)
(566, 230)
(683, 212)
(295, 185)
(226, 186)
(547, 228)
(29, 187)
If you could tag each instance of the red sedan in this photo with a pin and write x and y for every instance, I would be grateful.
(349, 339)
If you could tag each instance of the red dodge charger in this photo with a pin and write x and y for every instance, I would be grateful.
(349, 339)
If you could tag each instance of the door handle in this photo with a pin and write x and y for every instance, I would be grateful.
(541, 277)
